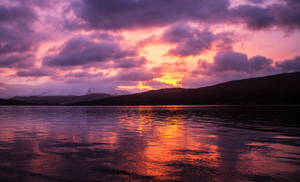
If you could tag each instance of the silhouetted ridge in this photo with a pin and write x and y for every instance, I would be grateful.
(59, 100)
(276, 89)
(11, 102)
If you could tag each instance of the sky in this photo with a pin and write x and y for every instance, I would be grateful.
(73, 47)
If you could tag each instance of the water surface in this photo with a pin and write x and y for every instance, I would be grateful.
(150, 143)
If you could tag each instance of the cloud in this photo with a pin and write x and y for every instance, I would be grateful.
(16, 34)
(136, 75)
(192, 41)
(14, 40)
(287, 15)
(289, 65)
(284, 15)
(234, 61)
(255, 17)
(158, 85)
(230, 65)
(130, 62)
(256, 1)
(45, 4)
(106, 36)
(260, 63)
(34, 73)
(129, 14)
(83, 75)
(118, 14)
(18, 40)
(98, 49)
(81, 50)
(16, 61)
(17, 15)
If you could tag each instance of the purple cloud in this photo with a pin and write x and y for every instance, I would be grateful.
(192, 41)
(227, 66)
(234, 65)
(136, 75)
(14, 40)
(287, 15)
(17, 15)
(16, 34)
(16, 61)
(284, 15)
(34, 73)
(25, 24)
(256, 1)
(128, 14)
(127, 63)
(234, 61)
(289, 65)
(117, 14)
(254, 17)
(83, 75)
(18, 40)
(80, 51)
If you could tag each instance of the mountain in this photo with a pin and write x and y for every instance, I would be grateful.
(59, 100)
(276, 89)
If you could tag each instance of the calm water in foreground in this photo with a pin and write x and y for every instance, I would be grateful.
(174, 143)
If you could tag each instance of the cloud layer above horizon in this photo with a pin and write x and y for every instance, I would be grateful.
(123, 46)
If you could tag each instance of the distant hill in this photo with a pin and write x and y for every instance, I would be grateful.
(11, 102)
(276, 89)
(59, 100)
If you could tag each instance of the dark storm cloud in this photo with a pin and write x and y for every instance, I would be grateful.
(192, 41)
(81, 51)
(289, 65)
(117, 14)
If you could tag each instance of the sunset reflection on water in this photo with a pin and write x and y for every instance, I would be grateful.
(148, 144)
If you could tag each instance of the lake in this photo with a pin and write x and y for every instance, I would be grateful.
(150, 143)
